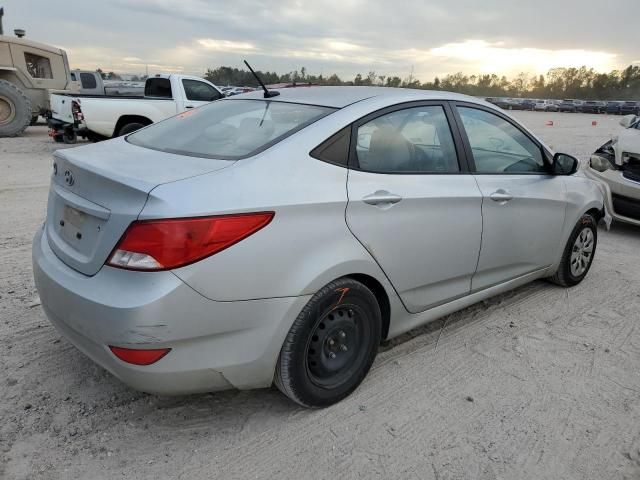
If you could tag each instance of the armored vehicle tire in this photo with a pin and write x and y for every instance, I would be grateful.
(15, 110)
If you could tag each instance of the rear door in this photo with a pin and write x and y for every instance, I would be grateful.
(523, 206)
(412, 203)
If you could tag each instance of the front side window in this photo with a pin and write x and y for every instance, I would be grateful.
(199, 91)
(415, 139)
(498, 146)
(228, 129)
(38, 66)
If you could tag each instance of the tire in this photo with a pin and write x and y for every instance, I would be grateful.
(70, 137)
(130, 128)
(330, 346)
(15, 110)
(574, 265)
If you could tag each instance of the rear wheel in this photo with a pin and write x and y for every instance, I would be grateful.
(578, 253)
(130, 128)
(331, 345)
(15, 110)
(69, 137)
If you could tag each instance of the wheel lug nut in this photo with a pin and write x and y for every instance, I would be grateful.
(332, 355)
(332, 342)
(342, 334)
(343, 348)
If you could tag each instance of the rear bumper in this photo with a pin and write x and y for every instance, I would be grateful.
(215, 345)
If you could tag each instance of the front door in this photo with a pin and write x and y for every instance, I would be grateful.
(411, 205)
(523, 206)
(198, 93)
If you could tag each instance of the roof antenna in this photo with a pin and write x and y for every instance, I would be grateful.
(267, 93)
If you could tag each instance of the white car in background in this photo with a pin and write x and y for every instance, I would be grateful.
(616, 165)
(545, 106)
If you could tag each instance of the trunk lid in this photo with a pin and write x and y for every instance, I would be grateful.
(98, 190)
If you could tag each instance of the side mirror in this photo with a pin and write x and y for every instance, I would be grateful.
(627, 120)
(564, 164)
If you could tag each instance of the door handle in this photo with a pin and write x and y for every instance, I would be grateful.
(188, 106)
(381, 197)
(501, 196)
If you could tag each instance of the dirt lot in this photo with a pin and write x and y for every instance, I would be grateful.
(539, 383)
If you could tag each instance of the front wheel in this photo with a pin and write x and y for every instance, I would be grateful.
(578, 253)
(331, 345)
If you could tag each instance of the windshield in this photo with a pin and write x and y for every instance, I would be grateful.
(228, 129)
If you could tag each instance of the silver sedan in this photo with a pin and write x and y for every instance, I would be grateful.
(279, 240)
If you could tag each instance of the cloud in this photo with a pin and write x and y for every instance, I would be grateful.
(488, 57)
(225, 45)
(342, 36)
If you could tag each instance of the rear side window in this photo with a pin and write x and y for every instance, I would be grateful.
(158, 87)
(498, 146)
(200, 91)
(228, 129)
(88, 80)
(412, 140)
(335, 149)
(38, 66)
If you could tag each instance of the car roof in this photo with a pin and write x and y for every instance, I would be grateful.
(340, 97)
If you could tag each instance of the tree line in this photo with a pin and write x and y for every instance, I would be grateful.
(584, 83)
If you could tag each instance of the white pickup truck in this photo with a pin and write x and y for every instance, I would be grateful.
(104, 116)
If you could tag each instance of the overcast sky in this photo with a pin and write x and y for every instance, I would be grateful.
(432, 37)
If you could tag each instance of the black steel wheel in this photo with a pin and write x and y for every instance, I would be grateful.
(331, 345)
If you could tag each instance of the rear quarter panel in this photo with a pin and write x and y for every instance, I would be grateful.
(306, 245)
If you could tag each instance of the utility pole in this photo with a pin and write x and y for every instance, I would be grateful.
(1, 15)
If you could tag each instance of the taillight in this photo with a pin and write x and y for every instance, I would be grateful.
(153, 245)
(76, 111)
(139, 357)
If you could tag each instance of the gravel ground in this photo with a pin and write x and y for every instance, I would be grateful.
(541, 382)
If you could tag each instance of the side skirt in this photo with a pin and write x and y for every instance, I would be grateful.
(402, 322)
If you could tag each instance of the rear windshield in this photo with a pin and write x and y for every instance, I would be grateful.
(228, 129)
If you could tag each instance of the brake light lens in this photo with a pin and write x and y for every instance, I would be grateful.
(76, 111)
(139, 357)
(152, 245)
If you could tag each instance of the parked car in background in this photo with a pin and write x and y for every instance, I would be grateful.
(568, 106)
(508, 104)
(92, 83)
(528, 104)
(592, 106)
(617, 165)
(578, 104)
(170, 259)
(106, 116)
(630, 108)
(545, 106)
(237, 91)
(613, 107)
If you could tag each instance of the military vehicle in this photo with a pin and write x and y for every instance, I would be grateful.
(28, 70)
